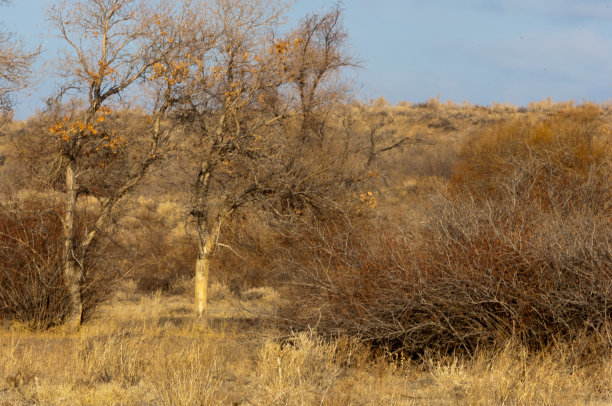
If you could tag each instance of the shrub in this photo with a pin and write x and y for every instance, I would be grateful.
(248, 256)
(31, 281)
(153, 244)
(492, 271)
(519, 247)
(32, 288)
(347, 273)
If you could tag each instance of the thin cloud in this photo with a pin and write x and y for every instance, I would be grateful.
(576, 53)
(566, 9)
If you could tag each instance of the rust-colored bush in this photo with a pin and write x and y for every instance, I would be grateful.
(152, 244)
(519, 247)
(344, 272)
(467, 282)
(248, 255)
(517, 271)
(160, 260)
(32, 288)
(31, 282)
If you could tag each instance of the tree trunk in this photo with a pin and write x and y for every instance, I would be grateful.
(205, 252)
(73, 274)
(305, 127)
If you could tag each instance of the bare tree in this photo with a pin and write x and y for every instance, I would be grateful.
(242, 105)
(381, 137)
(218, 66)
(15, 66)
(315, 66)
(232, 121)
(112, 45)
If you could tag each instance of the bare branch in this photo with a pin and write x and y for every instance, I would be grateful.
(15, 67)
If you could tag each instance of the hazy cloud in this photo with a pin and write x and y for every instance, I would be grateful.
(577, 53)
(566, 9)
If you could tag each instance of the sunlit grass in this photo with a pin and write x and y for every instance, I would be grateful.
(149, 351)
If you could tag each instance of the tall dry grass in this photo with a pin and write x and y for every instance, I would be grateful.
(150, 352)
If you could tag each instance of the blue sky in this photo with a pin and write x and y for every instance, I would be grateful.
(482, 51)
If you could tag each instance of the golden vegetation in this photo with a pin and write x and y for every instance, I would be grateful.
(148, 351)
(146, 348)
(435, 253)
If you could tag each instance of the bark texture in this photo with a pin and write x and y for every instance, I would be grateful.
(73, 273)
(205, 252)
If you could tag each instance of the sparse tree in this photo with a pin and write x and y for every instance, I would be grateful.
(112, 46)
(381, 138)
(232, 121)
(242, 105)
(318, 58)
(215, 68)
(15, 66)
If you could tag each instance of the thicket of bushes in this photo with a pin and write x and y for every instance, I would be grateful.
(520, 245)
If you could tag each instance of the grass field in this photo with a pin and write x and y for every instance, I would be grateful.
(146, 350)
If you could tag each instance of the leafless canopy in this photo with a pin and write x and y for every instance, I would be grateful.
(15, 65)
(315, 66)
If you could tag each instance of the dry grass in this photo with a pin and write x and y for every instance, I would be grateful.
(146, 350)
(512, 376)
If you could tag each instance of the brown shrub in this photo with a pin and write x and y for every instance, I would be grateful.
(521, 246)
(153, 245)
(32, 288)
(31, 282)
(505, 271)
(248, 254)
(344, 271)
(469, 282)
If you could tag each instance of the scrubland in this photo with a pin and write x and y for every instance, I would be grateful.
(467, 259)
(202, 214)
